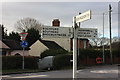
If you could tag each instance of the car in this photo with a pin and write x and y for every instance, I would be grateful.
(46, 63)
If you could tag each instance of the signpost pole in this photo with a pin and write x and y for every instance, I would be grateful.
(23, 44)
(74, 49)
(23, 60)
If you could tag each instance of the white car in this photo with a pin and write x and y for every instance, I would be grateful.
(46, 63)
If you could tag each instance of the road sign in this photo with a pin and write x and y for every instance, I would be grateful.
(23, 35)
(24, 44)
(84, 16)
(56, 32)
(86, 33)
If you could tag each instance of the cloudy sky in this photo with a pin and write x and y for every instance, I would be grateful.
(45, 12)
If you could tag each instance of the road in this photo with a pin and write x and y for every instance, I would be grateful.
(107, 72)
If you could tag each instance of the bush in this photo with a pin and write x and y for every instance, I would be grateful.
(116, 53)
(61, 61)
(52, 52)
(31, 62)
(89, 52)
(15, 62)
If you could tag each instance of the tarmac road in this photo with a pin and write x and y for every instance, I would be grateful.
(106, 72)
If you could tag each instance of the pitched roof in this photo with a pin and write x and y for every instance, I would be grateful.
(51, 44)
(3, 46)
(14, 45)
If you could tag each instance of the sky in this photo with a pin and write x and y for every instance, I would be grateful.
(45, 12)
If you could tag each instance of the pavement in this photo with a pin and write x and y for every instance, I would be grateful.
(106, 72)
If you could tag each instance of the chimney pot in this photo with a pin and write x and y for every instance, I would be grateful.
(56, 22)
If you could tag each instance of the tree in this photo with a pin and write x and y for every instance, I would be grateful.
(3, 32)
(27, 23)
(14, 35)
(32, 36)
(99, 42)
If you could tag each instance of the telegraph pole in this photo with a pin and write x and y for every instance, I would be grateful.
(102, 42)
(110, 10)
(78, 58)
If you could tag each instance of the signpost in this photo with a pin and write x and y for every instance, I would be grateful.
(67, 32)
(80, 34)
(23, 44)
(84, 16)
(86, 33)
(56, 32)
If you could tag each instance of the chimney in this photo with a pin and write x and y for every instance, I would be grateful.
(56, 22)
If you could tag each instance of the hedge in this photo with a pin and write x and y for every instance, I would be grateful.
(61, 61)
(52, 52)
(15, 62)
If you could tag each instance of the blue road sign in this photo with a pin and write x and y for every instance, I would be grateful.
(24, 44)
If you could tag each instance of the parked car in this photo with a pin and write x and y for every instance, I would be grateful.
(46, 63)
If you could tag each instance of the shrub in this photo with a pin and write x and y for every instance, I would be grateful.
(15, 62)
(31, 62)
(52, 52)
(11, 62)
(83, 53)
(63, 60)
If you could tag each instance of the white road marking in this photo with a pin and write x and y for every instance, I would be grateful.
(5, 76)
(78, 71)
(104, 71)
(27, 76)
(31, 76)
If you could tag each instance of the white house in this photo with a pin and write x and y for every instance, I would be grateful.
(12, 47)
(41, 45)
(63, 42)
(4, 49)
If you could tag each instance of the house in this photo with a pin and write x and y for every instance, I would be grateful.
(41, 45)
(12, 47)
(4, 49)
(67, 43)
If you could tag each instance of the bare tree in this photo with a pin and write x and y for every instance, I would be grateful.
(27, 23)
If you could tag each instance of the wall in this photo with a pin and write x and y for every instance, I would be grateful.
(26, 52)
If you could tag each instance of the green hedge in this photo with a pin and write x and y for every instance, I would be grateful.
(92, 53)
(52, 52)
(15, 62)
(61, 61)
